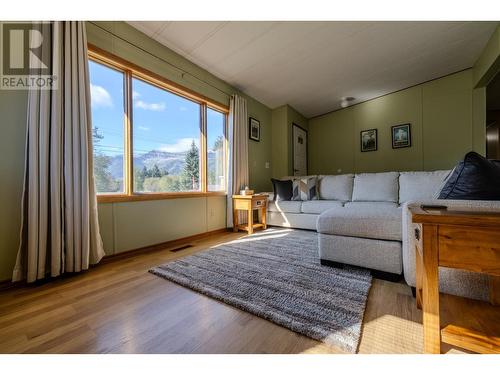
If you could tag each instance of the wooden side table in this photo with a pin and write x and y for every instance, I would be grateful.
(250, 203)
(455, 239)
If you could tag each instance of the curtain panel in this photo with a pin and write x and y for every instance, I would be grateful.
(60, 231)
(238, 154)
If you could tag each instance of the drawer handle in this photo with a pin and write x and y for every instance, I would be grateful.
(259, 203)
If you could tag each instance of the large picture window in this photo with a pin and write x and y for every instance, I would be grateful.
(152, 139)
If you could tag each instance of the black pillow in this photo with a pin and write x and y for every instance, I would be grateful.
(283, 190)
(474, 178)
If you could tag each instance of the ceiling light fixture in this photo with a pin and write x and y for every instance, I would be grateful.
(345, 101)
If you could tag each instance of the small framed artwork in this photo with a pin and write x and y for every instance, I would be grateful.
(254, 129)
(369, 140)
(401, 136)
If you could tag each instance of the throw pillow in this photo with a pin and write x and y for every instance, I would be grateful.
(305, 189)
(282, 189)
(474, 178)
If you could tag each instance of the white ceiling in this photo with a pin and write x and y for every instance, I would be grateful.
(312, 65)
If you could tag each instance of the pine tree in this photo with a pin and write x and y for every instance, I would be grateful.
(215, 162)
(155, 171)
(191, 168)
(139, 177)
(104, 180)
(219, 142)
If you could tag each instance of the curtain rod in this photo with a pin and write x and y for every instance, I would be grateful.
(161, 59)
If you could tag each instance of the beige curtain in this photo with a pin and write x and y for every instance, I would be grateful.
(238, 154)
(60, 231)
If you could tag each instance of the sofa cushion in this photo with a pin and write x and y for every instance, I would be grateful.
(367, 220)
(420, 185)
(337, 187)
(474, 178)
(282, 189)
(305, 189)
(371, 205)
(376, 187)
(319, 206)
(285, 206)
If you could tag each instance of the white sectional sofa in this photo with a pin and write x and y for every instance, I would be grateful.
(363, 220)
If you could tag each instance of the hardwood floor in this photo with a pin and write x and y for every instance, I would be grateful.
(118, 307)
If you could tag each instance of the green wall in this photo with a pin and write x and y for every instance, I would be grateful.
(259, 153)
(279, 144)
(129, 225)
(282, 150)
(446, 116)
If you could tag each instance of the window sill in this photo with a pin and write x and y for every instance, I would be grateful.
(112, 198)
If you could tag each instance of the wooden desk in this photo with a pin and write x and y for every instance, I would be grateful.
(250, 203)
(455, 239)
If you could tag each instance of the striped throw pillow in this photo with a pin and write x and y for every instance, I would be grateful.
(305, 189)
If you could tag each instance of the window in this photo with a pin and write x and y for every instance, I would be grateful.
(216, 150)
(166, 140)
(108, 116)
(153, 139)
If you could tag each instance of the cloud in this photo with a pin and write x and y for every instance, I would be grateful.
(144, 128)
(100, 97)
(182, 109)
(149, 106)
(182, 144)
(135, 94)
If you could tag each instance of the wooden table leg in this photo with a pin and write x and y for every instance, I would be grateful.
(430, 290)
(418, 277)
(250, 221)
(264, 217)
(494, 290)
(235, 220)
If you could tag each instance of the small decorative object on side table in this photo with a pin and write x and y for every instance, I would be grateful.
(249, 203)
(455, 239)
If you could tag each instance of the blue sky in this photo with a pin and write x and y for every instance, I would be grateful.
(161, 120)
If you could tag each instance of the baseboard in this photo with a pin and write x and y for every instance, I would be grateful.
(388, 276)
(8, 284)
(163, 245)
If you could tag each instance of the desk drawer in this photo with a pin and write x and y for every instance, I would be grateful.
(259, 203)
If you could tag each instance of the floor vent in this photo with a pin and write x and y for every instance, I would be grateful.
(181, 248)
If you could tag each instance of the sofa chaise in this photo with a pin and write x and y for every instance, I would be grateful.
(363, 220)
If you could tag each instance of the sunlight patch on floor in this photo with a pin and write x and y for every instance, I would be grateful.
(263, 235)
(388, 332)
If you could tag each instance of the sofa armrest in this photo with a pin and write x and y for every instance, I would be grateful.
(457, 282)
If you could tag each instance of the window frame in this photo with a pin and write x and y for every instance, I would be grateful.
(131, 71)
(225, 146)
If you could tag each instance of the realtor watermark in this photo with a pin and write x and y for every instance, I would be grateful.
(27, 60)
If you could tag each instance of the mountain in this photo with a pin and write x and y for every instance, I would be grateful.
(172, 162)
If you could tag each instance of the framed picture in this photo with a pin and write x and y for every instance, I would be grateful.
(369, 140)
(254, 129)
(401, 136)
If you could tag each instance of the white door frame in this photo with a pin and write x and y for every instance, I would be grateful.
(293, 149)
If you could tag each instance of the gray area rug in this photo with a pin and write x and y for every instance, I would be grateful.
(276, 274)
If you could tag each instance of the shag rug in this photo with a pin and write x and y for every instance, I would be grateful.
(276, 274)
